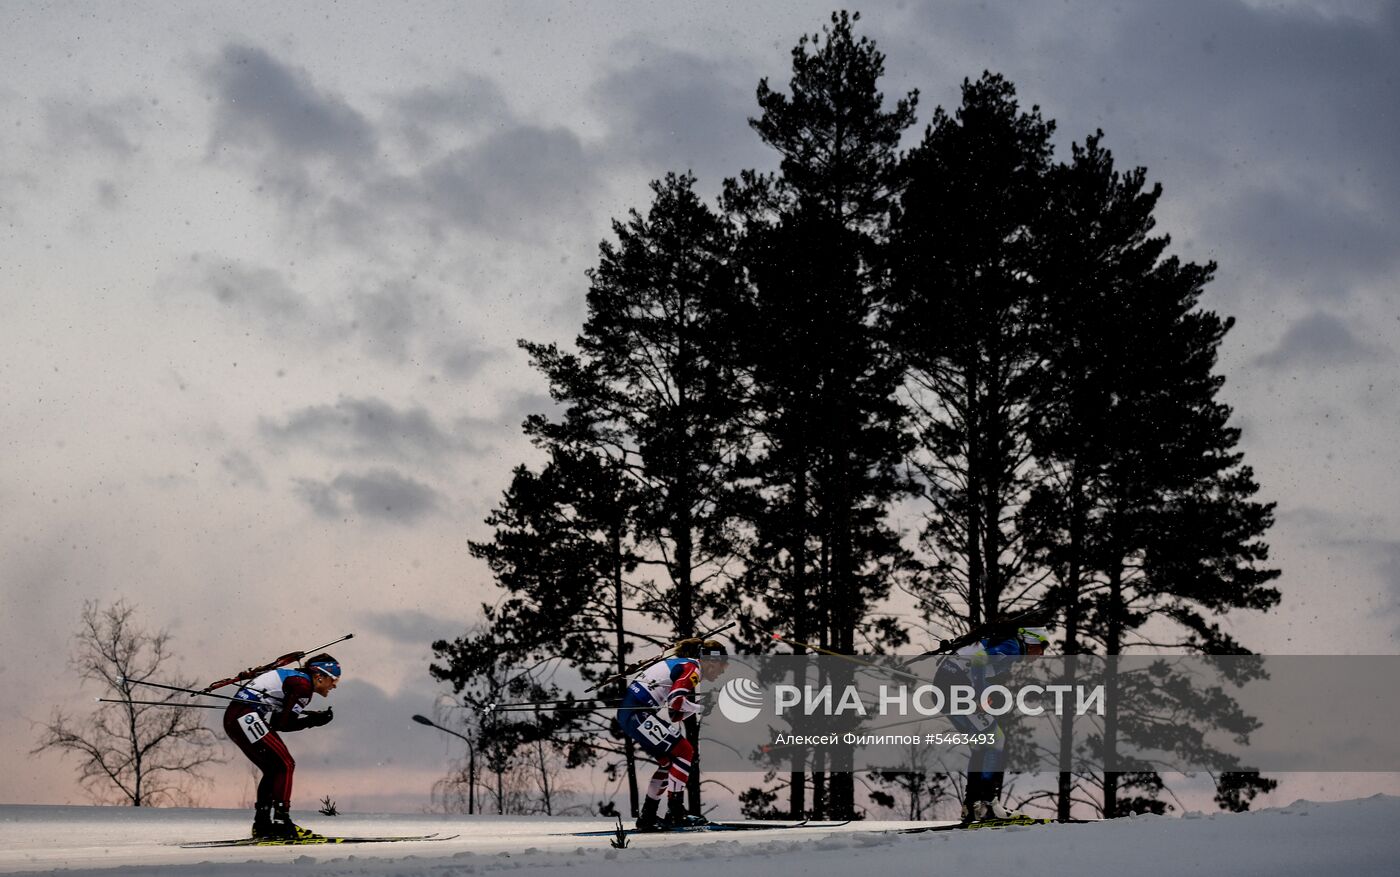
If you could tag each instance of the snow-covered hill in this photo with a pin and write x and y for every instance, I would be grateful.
(1351, 838)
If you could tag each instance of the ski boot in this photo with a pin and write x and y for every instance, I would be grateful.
(648, 821)
(993, 814)
(997, 810)
(284, 828)
(985, 811)
(676, 815)
(262, 821)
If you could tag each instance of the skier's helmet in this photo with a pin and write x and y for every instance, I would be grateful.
(1034, 636)
(324, 663)
(714, 659)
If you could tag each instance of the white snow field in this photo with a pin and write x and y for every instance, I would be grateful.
(1337, 839)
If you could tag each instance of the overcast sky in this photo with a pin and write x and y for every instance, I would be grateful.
(262, 271)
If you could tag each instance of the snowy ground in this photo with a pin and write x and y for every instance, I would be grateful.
(1351, 837)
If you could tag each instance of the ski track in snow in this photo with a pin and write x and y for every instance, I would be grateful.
(1352, 838)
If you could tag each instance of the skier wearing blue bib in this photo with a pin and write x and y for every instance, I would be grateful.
(654, 712)
(977, 665)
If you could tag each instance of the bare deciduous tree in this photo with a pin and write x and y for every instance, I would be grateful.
(131, 753)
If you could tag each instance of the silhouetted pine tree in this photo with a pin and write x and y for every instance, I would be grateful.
(825, 423)
(562, 549)
(964, 314)
(653, 390)
(1183, 538)
(1094, 251)
(1146, 510)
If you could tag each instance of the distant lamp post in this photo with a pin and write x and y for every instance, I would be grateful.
(471, 760)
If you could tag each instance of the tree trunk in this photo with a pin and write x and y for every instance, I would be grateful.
(629, 745)
(801, 617)
(973, 502)
(1113, 645)
(1065, 795)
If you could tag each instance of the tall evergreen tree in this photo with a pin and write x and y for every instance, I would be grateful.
(652, 389)
(825, 419)
(1148, 511)
(964, 314)
(1182, 536)
(563, 549)
(1061, 378)
(1094, 249)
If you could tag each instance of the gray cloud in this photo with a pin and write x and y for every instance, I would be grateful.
(412, 628)
(112, 128)
(677, 111)
(1320, 241)
(470, 166)
(370, 728)
(381, 494)
(463, 359)
(428, 115)
(242, 470)
(387, 319)
(320, 496)
(511, 182)
(1318, 339)
(367, 428)
(510, 414)
(261, 294)
(266, 105)
(1382, 557)
(1270, 126)
(303, 144)
(109, 197)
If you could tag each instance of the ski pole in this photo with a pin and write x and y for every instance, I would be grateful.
(563, 708)
(642, 665)
(543, 703)
(188, 706)
(602, 704)
(189, 691)
(584, 705)
(280, 662)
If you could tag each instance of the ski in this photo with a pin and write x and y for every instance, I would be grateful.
(310, 841)
(761, 826)
(711, 826)
(989, 823)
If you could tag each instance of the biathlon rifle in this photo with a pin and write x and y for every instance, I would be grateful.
(1002, 627)
(289, 658)
(633, 669)
(853, 659)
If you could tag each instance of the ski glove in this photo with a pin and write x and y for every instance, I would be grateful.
(317, 718)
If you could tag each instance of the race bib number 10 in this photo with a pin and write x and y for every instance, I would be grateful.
(254, 728)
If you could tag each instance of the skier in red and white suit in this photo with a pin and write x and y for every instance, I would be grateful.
(268, 704)
(654, 712)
